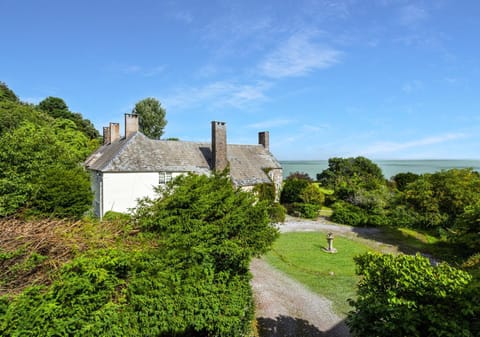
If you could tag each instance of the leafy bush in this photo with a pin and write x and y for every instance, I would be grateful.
(265, 192)
(403, 179)
(62, 193)
(116, 216)
(40, 170)
(349, 214)
(466, 230)
(300, 176)
(312, 195)
(277, 213)
(441, 197)
(292, 188)
(205, 218)
(309, 211)
(406, 296)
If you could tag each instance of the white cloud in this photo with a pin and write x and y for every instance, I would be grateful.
(270, 123)
(134, 69)
(183, 16)
(412, 86)
(412, 14)
(219, 94)
(392, 147)
(299, 56)
(315, 128)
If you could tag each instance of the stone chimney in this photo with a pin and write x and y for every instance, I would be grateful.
(106, 135)
(219, 146)
(131, 124)
(114, 132)
(264, 139)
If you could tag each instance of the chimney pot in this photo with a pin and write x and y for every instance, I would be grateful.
(106, 135)
(219, 146)
(264, 139)
(114, 132)
(131, 124)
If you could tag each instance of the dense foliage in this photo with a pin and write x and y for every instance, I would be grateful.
(205, 220)
(185, 274)
(266, 192)
(301, 196)
(151, 117)
(6, 94)
(351, 173)
(443, 203)
(40, 162)
(407, 296)
(57, 108)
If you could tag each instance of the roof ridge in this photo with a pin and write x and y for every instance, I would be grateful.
(126, 143)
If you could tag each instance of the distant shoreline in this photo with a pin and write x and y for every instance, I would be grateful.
(390, 167)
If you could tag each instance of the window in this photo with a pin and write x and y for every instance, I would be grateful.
(164, 177)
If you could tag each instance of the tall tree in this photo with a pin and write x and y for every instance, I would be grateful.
(152, 117)
(37, 163)
(57, 108)
(6, 94)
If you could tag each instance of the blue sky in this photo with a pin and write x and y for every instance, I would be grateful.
(386, 79)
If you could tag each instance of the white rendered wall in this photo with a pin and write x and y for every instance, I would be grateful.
(122, 190)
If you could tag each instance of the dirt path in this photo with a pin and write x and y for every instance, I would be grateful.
(286, 308)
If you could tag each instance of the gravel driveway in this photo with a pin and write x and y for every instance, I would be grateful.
(286, 308)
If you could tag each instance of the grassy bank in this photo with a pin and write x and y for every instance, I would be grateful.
(301, 256)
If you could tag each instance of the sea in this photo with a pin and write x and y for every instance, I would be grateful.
(389, 167)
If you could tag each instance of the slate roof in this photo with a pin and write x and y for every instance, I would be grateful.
(141, 154)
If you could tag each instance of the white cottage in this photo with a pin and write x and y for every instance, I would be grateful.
(126, 169)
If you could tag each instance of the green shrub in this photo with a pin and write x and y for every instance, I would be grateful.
(116, 216)
(62, 193)
(312, 194)
(309, 211)
(265, 192)
(292, 188)
(349, 214)
(277, 213)
(407, 296)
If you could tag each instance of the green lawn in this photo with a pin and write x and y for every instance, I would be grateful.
(301, 256)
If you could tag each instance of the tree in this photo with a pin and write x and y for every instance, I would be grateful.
(292, 189)
(207, 219)
(35, 161)
(407, 296)
(439, 198)
(62, 193)
(151, 117)
(13, 114)
(6, 94)
(403, 179)
(312, 195)
(57, 108)
(466, 230)
(359, 171)
(300, 176)
(360, 183)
